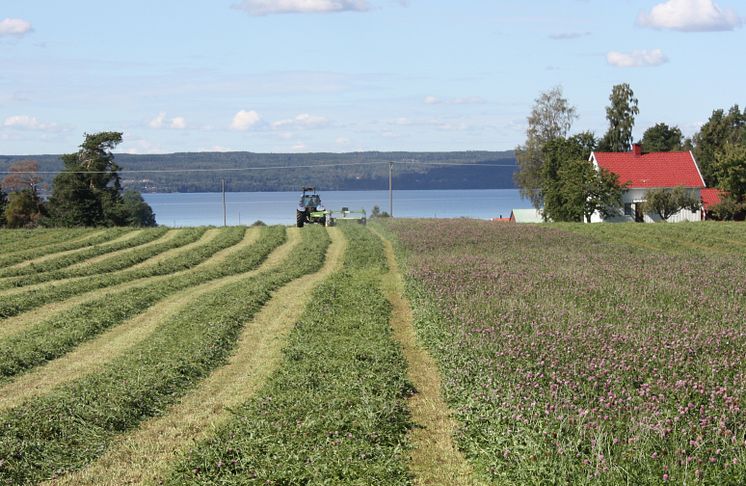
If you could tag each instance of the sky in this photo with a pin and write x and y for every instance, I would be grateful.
(350, 75)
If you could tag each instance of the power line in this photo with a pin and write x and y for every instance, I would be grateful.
(243, 169)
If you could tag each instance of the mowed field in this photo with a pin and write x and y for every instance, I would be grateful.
(405, 352)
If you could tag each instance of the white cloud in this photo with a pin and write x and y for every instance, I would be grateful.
(26, 122)
(638, 58)
(268, 7)
(568, 35)
(431, 100)
(304, 120)
(16, 27)
(243, 120)
(342, 141)
(690, 16)
(157, 122)
(178, 122)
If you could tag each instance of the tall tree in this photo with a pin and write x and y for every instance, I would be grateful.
(621, 115)
(89, 192)
(662, 138)
(721, 128)
(551, 117)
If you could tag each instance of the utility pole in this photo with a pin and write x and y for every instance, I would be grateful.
(391, 193)
(225, 215)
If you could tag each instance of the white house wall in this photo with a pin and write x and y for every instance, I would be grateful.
(638, 195)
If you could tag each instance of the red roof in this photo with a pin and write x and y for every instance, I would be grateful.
(656, 169)
(710, 197)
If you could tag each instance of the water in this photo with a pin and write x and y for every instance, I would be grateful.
(197, 209)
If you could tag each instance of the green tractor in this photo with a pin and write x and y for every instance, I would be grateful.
(310, 209)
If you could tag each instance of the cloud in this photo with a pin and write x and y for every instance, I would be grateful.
(25, 122)
(243, 120)
(568, 35)
(464, 100)
(638, 58)
(17, 27)
(178, 122)
(304, 120)
(157, 122)
(690, 16)
(269, 7)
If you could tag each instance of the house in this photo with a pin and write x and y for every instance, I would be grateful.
(710, 197)
(642, 172)
(526, 216)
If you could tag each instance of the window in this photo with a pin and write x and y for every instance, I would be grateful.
(628, 209)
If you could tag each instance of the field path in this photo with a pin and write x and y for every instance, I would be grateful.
(434, 458)
(145, 455)
(93, 355)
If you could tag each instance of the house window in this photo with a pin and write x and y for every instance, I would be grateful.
(628, 211)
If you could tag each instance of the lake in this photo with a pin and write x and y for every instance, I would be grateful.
(197, 209)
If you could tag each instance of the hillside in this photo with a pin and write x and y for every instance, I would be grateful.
(250, 171)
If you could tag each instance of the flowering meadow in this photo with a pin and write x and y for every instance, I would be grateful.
(574, 355)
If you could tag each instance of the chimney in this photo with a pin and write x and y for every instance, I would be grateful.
(636, 149)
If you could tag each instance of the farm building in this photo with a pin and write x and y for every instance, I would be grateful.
(526, 216)
(643, 172)
(710, 197)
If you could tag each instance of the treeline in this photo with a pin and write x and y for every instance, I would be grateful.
(555, 174)
(327, 171)
(87, 192)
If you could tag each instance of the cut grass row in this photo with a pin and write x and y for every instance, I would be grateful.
(27, 299)
(56, 336)
(145, 455)
(24, 239)
(138, 251)
(18, 254)
(54, 263)
(335, 410)
(72, 426)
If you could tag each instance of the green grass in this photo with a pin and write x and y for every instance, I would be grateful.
(335, 411)
(73, 425)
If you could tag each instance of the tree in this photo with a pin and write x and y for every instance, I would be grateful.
(662, 138)
(557, 153)
(730, 170)
(23, 175)
(621, 115)
(666, 202)
(135, 211)
(89, 192)
(3, 205)
(551, 117)
(24, 209)
(720, 129)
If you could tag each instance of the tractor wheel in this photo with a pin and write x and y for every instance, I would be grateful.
(322, 221)
(300, 218)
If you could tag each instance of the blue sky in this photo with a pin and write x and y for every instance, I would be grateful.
(345, 75)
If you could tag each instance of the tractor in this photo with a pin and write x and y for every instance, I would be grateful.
(310, 209)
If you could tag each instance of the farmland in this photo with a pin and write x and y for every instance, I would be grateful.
(410, 351)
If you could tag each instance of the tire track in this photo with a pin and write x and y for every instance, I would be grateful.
(434, 458)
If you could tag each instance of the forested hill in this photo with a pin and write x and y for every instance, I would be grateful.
(327, 171)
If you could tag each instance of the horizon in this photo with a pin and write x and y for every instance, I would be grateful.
(341, 76)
